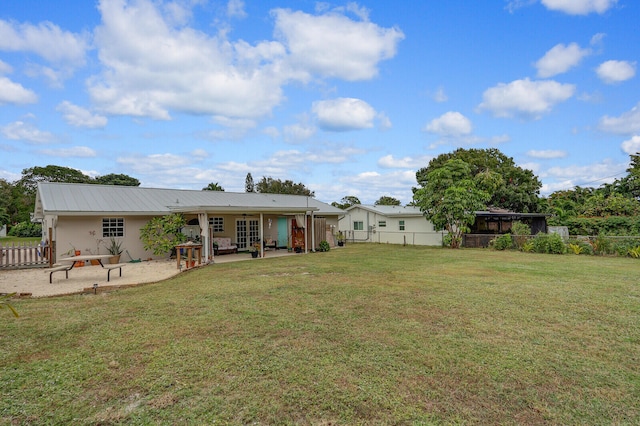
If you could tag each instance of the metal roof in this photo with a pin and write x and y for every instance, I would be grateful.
(90, 199)
(390, 211)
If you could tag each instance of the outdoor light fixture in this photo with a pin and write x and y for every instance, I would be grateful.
(95, 288)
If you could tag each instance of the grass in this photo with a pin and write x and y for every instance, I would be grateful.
(366, 334)
(18, 240)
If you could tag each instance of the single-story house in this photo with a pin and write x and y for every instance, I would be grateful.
(407, 225)
(388, 224)
(86, 216)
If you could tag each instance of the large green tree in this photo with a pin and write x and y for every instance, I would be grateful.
(511, 187)
(270, 185)
(117, 179)
(346, 202)
(386, 200)
(33, 175)
(213, 187)
(249, 185)
(450, 197)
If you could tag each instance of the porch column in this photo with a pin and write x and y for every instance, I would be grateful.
(306, 234)
(261, 231)
(313, 233)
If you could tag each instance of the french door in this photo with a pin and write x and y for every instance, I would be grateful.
(247, 231)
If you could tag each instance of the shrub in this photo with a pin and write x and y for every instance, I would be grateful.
(549, 243)
(527, 247)
(622, 246)
(521, 232)
(324, 246)
(26, 229)
(580, 247)
(502, 242)
(634, 252)
(602, 245)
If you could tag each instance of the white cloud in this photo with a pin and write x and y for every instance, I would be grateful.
(46, 40)
(579, 7)
(559, 59)
(5, 68)
(298, 132)
(235, 9)
(76, 151)
(23, 131)
(525, 98)
(80, 117)
(152, 68)
(158, 164)
(368, 186)
(333, 45)
(15, 93)
(271, 131)
(450, 124)
(616, 71)
(343, 114)
(626, 124)
(440, 95)
(547, 153)
(631, 146)
(390, 162)
(582, 175)
(384, 122)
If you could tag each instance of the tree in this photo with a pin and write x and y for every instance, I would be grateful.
(450, 198)
(249, 186)
(33, 175)
(276, 186)
(346, 202)
(213, 187)
(511, 187)
(161, 234)
(385, 200)
(117, 179)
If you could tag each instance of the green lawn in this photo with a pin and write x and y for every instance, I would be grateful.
(366, 334)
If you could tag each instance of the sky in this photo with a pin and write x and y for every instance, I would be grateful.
(349, 98)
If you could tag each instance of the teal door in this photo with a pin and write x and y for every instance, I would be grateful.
(283, 232)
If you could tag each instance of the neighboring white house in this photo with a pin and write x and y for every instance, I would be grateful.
(85, 216)
(388, 224)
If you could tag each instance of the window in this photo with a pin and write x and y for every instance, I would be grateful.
(382, 224)
(358, 226)
(112, 227)
(217, 223)
(401, 225)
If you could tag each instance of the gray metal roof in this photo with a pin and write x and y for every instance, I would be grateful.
(390, 211)
(89, 199)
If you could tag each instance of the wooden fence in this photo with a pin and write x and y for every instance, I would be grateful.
(24, 255)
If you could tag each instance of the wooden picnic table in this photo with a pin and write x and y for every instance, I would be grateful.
(69, 262)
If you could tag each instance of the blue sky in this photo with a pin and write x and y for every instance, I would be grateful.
(347, 98)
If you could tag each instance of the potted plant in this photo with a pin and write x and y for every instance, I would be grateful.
(115, 250)
(253, 249)
(340, 239)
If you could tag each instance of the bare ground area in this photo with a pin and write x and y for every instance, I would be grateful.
(34, 282)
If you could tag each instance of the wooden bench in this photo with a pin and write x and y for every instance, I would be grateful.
(111, 266)
(56, 268)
